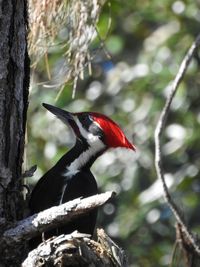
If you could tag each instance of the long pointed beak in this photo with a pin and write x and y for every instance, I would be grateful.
(63, 115)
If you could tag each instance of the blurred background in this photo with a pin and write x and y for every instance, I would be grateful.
(134, 56)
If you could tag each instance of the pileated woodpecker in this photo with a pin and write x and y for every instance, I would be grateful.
(71, 176)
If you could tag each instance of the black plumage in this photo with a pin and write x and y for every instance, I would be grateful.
(55, 188)
(71, 177)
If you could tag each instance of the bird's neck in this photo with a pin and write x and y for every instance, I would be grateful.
(81, 157)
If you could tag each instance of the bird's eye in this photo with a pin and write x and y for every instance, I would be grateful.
(85, 120)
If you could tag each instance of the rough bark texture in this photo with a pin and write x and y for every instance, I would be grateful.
(14, 82)
(77, 250)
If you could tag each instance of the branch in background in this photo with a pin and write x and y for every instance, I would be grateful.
(77, 249)
(53, 217)
(158, 132)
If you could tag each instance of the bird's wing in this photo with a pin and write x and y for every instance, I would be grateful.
(48, 192)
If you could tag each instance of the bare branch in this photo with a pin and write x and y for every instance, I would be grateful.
(77, 249)
(158, 132)
(53, 217)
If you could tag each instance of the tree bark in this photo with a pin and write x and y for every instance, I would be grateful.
(14, 83)
(77, 250)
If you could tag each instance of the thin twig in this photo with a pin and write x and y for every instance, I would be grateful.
(158, 132)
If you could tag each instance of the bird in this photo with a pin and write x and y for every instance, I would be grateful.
(71, 176)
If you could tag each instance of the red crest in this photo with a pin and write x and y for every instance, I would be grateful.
(114, 136)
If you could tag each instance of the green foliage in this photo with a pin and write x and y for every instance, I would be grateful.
(147, 41)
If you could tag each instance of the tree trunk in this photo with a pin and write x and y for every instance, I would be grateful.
(14, 83)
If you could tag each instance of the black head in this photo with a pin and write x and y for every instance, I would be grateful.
(94, 128)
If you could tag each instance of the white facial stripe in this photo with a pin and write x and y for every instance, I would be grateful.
(97, 124)
(88, 136)
(82, 160)
(95, 146)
